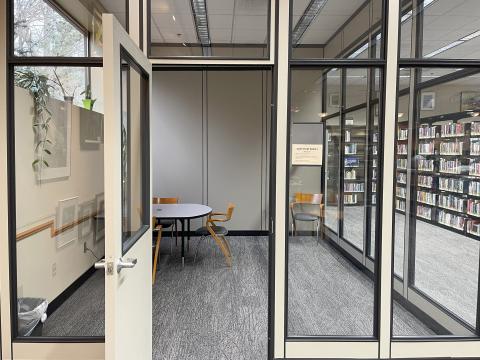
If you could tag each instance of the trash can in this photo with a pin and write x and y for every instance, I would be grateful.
(32, 313)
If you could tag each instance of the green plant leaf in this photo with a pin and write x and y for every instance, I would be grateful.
(47, 151)
(46, 163)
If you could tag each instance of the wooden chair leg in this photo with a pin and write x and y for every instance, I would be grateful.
(223, 248)
(155, 259)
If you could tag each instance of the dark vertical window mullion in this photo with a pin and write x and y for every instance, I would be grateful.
(341, 199)
(368, 162)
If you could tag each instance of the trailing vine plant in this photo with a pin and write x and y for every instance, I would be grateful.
(38, 87)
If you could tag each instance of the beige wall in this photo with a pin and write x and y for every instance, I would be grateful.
(38, 255)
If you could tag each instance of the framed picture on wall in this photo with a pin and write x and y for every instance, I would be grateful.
(427, 101)
(334, 100)
(469, 100)
(67, 216)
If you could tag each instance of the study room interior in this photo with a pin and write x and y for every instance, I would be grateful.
(212, 169)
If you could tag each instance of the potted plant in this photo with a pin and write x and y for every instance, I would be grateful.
(88, 102)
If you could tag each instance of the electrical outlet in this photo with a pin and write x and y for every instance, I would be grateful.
(54, 269)
(84, 247)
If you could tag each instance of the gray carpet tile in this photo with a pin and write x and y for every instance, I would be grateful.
(327, 295)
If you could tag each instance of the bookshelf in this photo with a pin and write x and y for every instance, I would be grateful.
(354, 151)
(401, 165)
(447, 172)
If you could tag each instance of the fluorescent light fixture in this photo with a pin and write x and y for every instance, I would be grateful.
(471, 36)
(322, 115)
(199, 11)
(409, 14)
(310, 13)
(444, 48)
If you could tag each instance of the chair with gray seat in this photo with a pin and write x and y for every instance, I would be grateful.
(218, 233)
(307, 208)
(168, 223)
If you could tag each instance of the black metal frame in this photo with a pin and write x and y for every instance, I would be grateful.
(268, 45)
(416, 64)
(47, 61)
(344, 64)
(126, 60)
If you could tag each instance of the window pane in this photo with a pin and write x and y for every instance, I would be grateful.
(447, 29)
(336, 29)
(59, 200)
(225, 29)
(135, 198)
(62, 27)
(440, 196)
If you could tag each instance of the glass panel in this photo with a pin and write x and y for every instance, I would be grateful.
(208, 28)
(62, 27)
(59, 199)
(354, 189)
(444, 242)
(336, 29)
(373, 168)
(135, 192)
(332, 173)
(447, 29)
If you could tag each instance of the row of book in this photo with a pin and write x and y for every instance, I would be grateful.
(427, 148)
(425, 164)
(402, 149)
(425, 181)
(473, 207)
(352, 162)
(350, 199)
(354, 187)
(347, 135)
(452, 129)
(401, 192)
(401, 178)
(450, 166)
(426, 197)
(426, 132)
(475, 128)
(400, 205)
(451, 148)
(451, 202)
(474, 147)
(474, 168)
(424, 212)
(402, 164)
(402, 134)
(474, 188)
(450, 184)
(350, 174)
(452, 220)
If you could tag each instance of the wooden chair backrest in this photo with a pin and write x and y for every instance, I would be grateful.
(161, 200)
(308, 198)
(229, 213)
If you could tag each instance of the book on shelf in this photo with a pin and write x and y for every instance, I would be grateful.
(451, 148)
(425, 181)
(474, 168)
(426, 197)
(426, 132)
(400, 205)
(401, 178)
(375, 137)
(350, 199)
(474, 188)
(450, 184)
(424, 212)
(402, 134)
(473, 227)
(450, 166)
(352, 162)
(475, 147)
(402, 149)
(425, 164)
(374, 187)
(452, 130)
(401, 192)
(350, 149)
(347, 135)
(451, 220)
(350, 174)
(475, 128)
(353, 187)
(374, 163)
(374, 150)
(473, 207)
(374, 174)
(402, 164)
(451, 202)
(426, 148)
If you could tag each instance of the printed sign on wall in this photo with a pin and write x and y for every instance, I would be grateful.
(307, 154)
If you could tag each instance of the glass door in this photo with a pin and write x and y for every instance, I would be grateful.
(128, 297)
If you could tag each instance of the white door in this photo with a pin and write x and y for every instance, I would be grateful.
(128, 267)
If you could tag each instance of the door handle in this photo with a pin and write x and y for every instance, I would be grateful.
(100, 264)
(125, 264)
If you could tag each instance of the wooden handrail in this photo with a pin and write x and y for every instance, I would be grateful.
(51, 225)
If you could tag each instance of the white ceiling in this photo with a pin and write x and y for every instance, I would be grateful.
(446, 21)
(116, 7)
(229, 21)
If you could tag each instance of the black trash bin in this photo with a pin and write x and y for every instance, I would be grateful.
(32, 313)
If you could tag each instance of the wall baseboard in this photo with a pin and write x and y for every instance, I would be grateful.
(65, 295)
(167, 233)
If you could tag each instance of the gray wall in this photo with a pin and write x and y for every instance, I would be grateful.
(211, 134)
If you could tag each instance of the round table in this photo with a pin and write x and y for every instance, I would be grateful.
(181, 212)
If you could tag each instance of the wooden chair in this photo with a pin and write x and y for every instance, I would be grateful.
(309, 208)
(156, 245)
(218, 233)
(167, 223)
